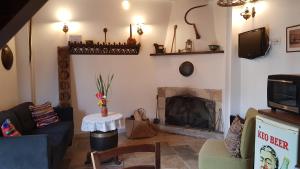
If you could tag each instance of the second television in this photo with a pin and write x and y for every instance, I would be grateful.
(253, 44)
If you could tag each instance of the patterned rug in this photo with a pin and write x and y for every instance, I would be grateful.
(172, 157)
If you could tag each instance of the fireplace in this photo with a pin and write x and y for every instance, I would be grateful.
(190, 111)
(190, 108)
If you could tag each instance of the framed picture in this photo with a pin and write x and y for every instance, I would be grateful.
(293, 38)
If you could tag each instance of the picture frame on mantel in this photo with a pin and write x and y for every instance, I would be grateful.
(293, 38)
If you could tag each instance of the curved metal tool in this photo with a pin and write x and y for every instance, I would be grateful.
(194, 25)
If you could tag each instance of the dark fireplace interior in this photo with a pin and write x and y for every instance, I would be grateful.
(190, 111)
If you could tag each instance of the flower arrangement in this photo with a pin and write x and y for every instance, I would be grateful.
(103, 88)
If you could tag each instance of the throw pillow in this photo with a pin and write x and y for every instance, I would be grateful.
(43, 114)
(233, 138)
(8, 129)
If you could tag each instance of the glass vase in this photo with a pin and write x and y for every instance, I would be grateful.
(104, 111)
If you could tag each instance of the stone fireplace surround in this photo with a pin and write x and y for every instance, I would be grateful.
(210, 94)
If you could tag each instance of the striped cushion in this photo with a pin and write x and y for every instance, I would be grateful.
(8, 129)
(43, 115)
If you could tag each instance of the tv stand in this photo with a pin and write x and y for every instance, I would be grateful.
(282, 115)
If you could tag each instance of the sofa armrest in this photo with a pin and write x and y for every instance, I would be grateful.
(30, 151)
(64, 113)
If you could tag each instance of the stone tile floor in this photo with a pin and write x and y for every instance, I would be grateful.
(177, 152)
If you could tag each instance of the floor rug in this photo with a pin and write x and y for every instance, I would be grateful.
(173, 156)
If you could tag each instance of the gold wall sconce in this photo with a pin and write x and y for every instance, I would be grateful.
(65, 28)
(64, 16)
(247, 14)
(139, 29)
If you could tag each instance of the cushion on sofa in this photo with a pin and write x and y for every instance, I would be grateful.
(8, 129)
(214, 155)
(24, 116)
(60, 135)
(13, 118)
(44, 114)
(57, 132)
(233, 137)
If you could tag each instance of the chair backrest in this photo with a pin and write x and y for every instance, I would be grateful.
(248, 134)
(98, 157)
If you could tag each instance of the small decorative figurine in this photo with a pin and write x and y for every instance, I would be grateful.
(159, 49)
(130, 40)
(189, 45)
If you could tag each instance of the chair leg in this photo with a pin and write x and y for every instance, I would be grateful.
(157, 155)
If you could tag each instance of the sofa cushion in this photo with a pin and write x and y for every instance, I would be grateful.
(8, 129)
(214, 155)
(59, 136)
(43, 114)
(233, 137)
(24, 116)
(57, 132)
(12, 117)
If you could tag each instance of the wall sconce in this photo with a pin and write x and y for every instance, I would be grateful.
(64, 16)
(138, 22)
(247, 14)
(65, 28)
(139, 28)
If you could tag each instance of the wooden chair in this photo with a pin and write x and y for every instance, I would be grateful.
(98, 157)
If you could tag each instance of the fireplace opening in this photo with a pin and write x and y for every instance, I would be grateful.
(190, 111)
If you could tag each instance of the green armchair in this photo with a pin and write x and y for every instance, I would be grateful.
(214, 155)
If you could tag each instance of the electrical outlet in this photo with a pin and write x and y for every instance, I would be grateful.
(276, 41)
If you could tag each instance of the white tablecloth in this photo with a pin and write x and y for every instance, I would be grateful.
(94, 122)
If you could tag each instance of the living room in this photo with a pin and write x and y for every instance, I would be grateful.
(242, 83)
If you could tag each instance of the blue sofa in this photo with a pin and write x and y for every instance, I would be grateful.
(37, 148)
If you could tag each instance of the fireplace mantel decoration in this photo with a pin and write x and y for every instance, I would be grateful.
(79, 48)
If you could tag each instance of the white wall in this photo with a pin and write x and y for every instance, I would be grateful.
(23, 64)
(136, 76)
(275, 15)
(9, 82)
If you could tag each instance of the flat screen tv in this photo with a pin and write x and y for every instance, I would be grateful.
(253, 44)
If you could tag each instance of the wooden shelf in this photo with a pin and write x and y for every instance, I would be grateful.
(282, 115)
(79, 48)
(188, 53)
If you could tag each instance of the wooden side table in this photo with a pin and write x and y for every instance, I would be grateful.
(103, 131)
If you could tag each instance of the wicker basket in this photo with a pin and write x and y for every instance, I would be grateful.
(139, 129)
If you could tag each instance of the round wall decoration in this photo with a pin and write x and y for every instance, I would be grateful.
(186, 68)
(7, 57)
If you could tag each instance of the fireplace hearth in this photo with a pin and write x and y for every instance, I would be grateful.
(190, 111)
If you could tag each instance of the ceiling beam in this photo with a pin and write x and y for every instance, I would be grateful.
(19, 20)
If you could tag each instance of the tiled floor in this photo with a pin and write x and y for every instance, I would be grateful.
(177, 152)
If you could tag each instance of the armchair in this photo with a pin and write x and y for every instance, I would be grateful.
(214, 155)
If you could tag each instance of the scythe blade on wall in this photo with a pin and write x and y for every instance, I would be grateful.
(194, 25)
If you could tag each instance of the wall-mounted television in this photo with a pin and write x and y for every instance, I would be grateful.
(253, 44)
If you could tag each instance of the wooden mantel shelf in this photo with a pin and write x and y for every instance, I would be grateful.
(188, 53)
